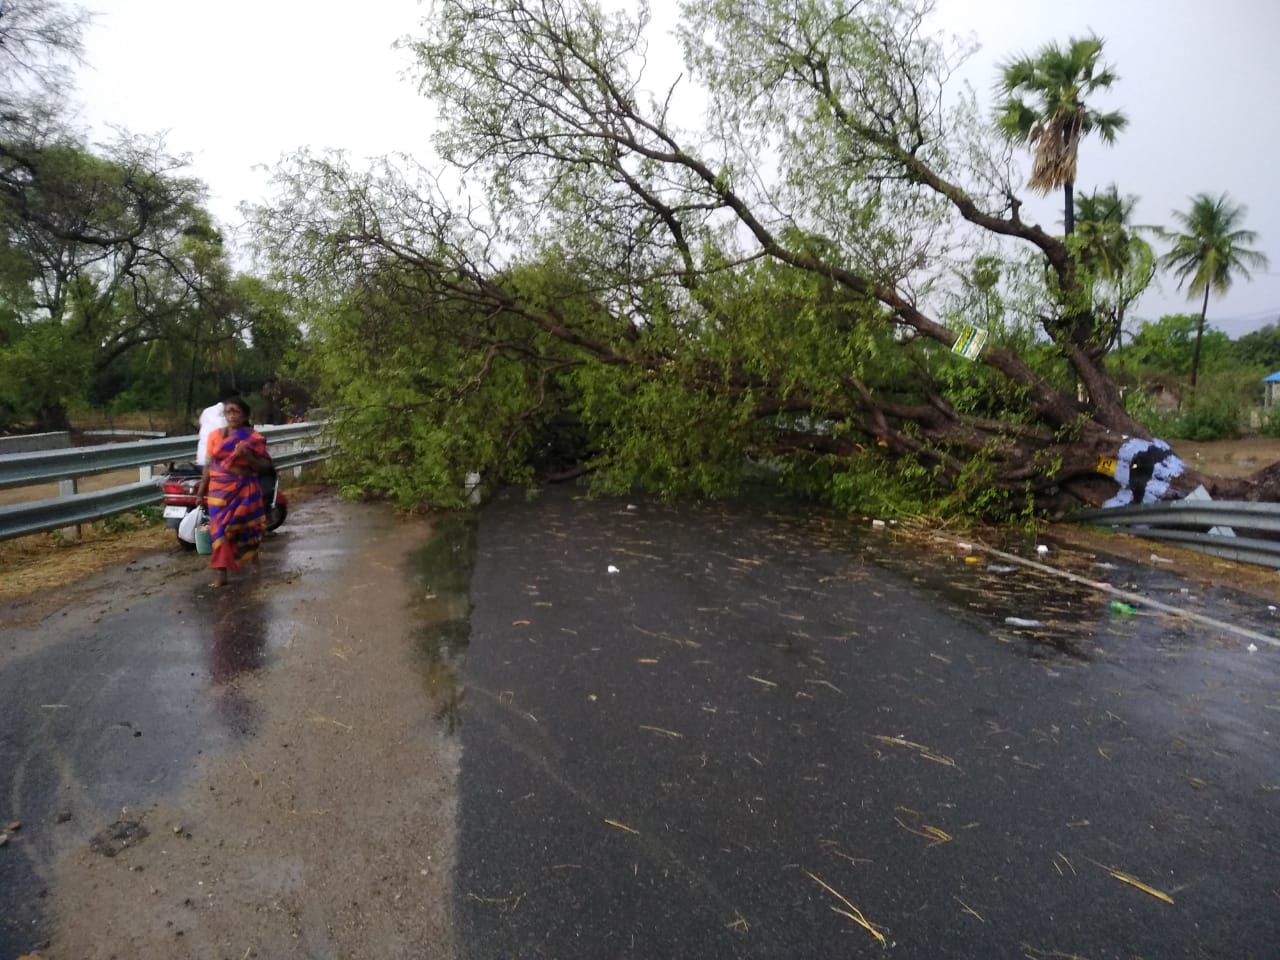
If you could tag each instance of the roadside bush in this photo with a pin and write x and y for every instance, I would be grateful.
(1217, 410)
(133, 520)
(1212, 418)
(1270, 426)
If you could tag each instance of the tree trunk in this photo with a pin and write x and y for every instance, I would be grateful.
(1060, 475)
(1069, 208)
(1195, 355)
(189, 403)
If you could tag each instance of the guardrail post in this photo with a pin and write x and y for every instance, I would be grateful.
(289, 447)
(67, 487)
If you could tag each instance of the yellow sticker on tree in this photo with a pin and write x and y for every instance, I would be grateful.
(1107, 466)
(969, 342)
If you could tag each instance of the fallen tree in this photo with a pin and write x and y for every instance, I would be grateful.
(786, 281)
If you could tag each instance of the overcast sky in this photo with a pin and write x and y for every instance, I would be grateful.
(237, 84)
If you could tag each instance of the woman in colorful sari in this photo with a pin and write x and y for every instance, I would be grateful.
(237, 516)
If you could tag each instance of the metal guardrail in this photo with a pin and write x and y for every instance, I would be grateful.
(1220, 528)
(21, 519)
(119, 432)
(41, 466)
(71, 508)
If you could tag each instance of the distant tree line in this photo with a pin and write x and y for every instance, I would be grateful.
(116, 290)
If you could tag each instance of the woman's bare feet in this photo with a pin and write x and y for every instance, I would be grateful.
(220, 580)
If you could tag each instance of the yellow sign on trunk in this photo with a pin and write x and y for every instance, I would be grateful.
(970, 342)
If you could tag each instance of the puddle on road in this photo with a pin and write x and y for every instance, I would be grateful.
(441, 583)
(246, 631)
(1041, 615)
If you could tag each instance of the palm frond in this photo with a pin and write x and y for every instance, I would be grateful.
(1017, 121)
(1044, 107)
(1106, 125)
(1085, 51)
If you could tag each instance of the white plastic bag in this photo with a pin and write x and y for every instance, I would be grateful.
(187, 527)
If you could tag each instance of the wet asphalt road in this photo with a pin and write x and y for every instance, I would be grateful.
(760, 729)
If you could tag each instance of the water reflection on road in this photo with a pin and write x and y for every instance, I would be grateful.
(238, 626)
(441, 578)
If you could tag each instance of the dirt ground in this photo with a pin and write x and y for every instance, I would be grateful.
(1228, 458)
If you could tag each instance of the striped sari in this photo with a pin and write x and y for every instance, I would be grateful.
(237, 514)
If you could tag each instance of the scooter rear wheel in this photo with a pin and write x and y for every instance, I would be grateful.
(276, 516)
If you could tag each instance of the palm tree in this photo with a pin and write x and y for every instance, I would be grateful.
(1209, 253)
(1044, 107)
(1107, 244)
(1103, 231)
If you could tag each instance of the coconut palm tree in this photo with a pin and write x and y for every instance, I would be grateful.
(1210, 253)
(1044, 107)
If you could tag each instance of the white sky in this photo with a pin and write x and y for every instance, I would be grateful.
(237, 84)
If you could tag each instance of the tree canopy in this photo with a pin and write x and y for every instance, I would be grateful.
(1261, 347)
(777, 284)
(1166, 346)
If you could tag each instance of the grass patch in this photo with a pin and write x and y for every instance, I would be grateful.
(43, 562)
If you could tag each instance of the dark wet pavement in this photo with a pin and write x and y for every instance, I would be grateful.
(760, 729)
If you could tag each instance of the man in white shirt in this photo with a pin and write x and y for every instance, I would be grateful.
(211, 418)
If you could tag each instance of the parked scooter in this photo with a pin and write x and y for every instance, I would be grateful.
(182, 481)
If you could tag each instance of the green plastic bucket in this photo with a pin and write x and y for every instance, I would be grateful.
(204, 545)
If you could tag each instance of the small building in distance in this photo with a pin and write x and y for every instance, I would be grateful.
(1272, 394)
